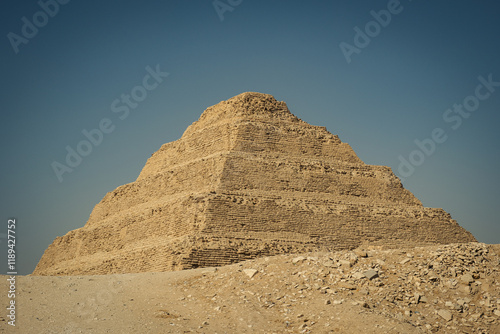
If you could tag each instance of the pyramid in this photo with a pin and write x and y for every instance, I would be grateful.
(248, 179)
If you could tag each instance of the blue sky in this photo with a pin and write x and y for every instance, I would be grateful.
(63, 79)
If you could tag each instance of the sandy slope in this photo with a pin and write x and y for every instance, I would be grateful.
(415, 292)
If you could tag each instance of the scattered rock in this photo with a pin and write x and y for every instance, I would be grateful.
(419, 293)
(445, 314)
(433, 277)
(345, 263)
(358, 275)
(298, 259)
(465, 289)
(360, 253)
(347, 286)
(250, 272)
(371, 274)
(467, 279)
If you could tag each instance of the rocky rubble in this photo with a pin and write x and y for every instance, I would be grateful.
(434, 289)
(439, 289)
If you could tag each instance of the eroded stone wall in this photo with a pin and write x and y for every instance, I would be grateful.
(247, 179)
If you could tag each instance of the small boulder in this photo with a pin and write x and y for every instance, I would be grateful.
(250, 272)
(298, 259)
(345, 263)
(445, 314)
(347, 286)
(360, 253)
(371, 274)
(358, 275)
(467, 279)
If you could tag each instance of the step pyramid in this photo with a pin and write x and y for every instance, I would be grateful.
(248, 179)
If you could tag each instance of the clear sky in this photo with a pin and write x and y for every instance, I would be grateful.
(380, 74)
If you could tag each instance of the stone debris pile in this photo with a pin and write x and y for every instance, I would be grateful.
(436, 289)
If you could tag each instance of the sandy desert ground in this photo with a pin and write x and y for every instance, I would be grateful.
(436, 289)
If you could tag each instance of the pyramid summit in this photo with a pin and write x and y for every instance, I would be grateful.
(247, 179)
(250, 104)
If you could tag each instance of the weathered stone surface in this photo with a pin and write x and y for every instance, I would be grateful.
(402, 292)
(250, 272)
(248, 179)
(467, 279)
(446, 315)
(371, 274)
(298, 259)
(358, 275)
(360, 253)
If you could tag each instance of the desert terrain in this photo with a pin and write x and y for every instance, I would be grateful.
(434, 289)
